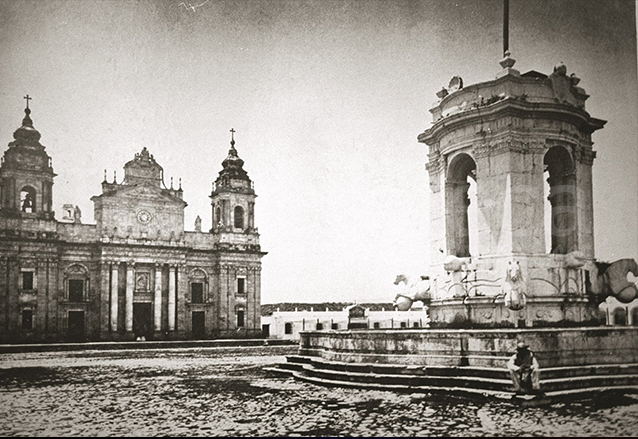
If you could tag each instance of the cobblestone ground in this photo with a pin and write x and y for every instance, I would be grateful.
(226, 392)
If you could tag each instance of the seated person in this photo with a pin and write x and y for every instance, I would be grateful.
(524, 370)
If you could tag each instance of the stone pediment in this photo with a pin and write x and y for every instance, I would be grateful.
(146, 192)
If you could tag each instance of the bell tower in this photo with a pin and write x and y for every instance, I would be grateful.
(233, 197)
(238, 250)
(26, 175)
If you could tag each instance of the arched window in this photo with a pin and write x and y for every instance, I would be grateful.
(197, 279)
(218, 217)
(76, 283)
(560, 212)
(457, 202)
(288, 328)
(239, 217)
(27, 199)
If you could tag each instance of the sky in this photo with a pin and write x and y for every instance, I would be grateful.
(327, 99)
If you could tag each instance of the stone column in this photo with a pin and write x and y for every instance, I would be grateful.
(114, 296)
(456, 219)
(257, 299)
(171, 297)
(251, 214)
(129, 296)
(223, 319)
(158, 298)
(585, 204)
(181, 283)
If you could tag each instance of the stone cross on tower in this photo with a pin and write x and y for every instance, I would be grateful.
(28, 98)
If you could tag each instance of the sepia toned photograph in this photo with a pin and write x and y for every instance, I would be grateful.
(319, 218)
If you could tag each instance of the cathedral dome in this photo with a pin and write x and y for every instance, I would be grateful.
(233, 169)
(232, 160)
(26, 134)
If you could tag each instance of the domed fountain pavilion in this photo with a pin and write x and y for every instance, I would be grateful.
(495, 278)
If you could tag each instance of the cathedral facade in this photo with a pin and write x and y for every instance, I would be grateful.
(135, 273)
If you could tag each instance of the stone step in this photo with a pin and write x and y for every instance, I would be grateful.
(409, 380)
(399, 387)
(582, 382)
(469, 378)
(486, 372)
(550, 396)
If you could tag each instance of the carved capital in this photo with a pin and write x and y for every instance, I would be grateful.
(585, 156)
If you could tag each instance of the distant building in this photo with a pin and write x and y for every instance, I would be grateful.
(618, 313)
(286, 321)
(136, 272)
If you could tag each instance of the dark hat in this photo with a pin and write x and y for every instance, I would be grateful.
(521, 345)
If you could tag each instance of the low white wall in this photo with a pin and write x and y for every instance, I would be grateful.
(307, 321)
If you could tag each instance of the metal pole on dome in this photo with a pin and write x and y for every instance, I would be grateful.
(506, 17)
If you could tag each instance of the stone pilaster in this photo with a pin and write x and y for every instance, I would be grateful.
(130, 284)
(181, 283)
(157, 301)
(224, 297)
(172, 310)
(103, 295)
(113, 312)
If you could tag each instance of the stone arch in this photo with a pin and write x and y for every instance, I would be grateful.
(27, 199)
(77, 269)
(197, 273)
(238, 217)
(461, 168)
(561, 208)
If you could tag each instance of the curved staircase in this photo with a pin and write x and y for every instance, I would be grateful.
(465, 380)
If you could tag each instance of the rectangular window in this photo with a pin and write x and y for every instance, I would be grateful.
(241, 283)
(197, 292)
(240, 318)
(76, 290)
(377, 325)
(403, 324)
(27, 319)
(27, 280)
(319, 326)
(335, 326)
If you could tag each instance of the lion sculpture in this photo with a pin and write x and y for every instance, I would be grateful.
(514, 287)
(416, 289)
(611, 280)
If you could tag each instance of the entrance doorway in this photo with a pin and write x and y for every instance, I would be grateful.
(265, 330)
(143, 320)
(76, 326)
(199, 324)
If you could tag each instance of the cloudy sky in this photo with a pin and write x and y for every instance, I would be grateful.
(327, 98)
